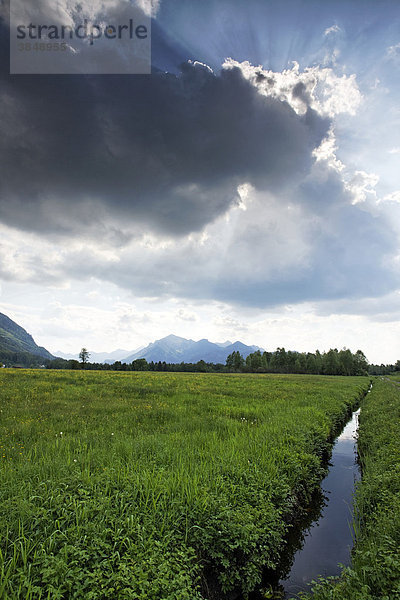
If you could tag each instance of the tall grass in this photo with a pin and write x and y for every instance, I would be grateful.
(152, 486)
(375, 570)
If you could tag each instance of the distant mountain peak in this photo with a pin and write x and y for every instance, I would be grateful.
(175, 349)
(172, 337)
(224, 344)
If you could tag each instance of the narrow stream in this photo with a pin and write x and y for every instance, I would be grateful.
(329, 540)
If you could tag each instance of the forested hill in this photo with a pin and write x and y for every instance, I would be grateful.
(17, 345)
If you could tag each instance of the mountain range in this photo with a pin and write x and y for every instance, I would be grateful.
(175, 349)
(18, 346)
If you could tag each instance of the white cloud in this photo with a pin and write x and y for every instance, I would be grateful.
(393, 197)
(393, 51)
(185, 315)
(326, 152)
(230, 327)
(333, 29)
(319, 88)
(362, 186)
(149, 7)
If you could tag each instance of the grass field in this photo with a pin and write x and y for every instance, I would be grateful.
(375, 570)
(155, 486)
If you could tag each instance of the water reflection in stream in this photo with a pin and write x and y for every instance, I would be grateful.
(330, 539)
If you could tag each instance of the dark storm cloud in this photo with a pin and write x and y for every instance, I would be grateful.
(162, 152)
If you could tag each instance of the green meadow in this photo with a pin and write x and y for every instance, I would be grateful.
(156, 486)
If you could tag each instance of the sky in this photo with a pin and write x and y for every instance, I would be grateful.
(246, 189)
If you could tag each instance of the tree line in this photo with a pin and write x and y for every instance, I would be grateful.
(384, 369)
(333, 362)
(140, 364)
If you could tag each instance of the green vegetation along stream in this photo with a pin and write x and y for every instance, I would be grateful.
(329, 539)
(374, 572)
(156, 486)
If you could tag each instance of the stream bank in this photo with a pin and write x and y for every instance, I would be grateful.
(321, 536)
(374, 572)
(329, 539)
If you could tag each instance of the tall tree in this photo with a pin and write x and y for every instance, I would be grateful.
(235, 361)
(361, 363)
(84, 356)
